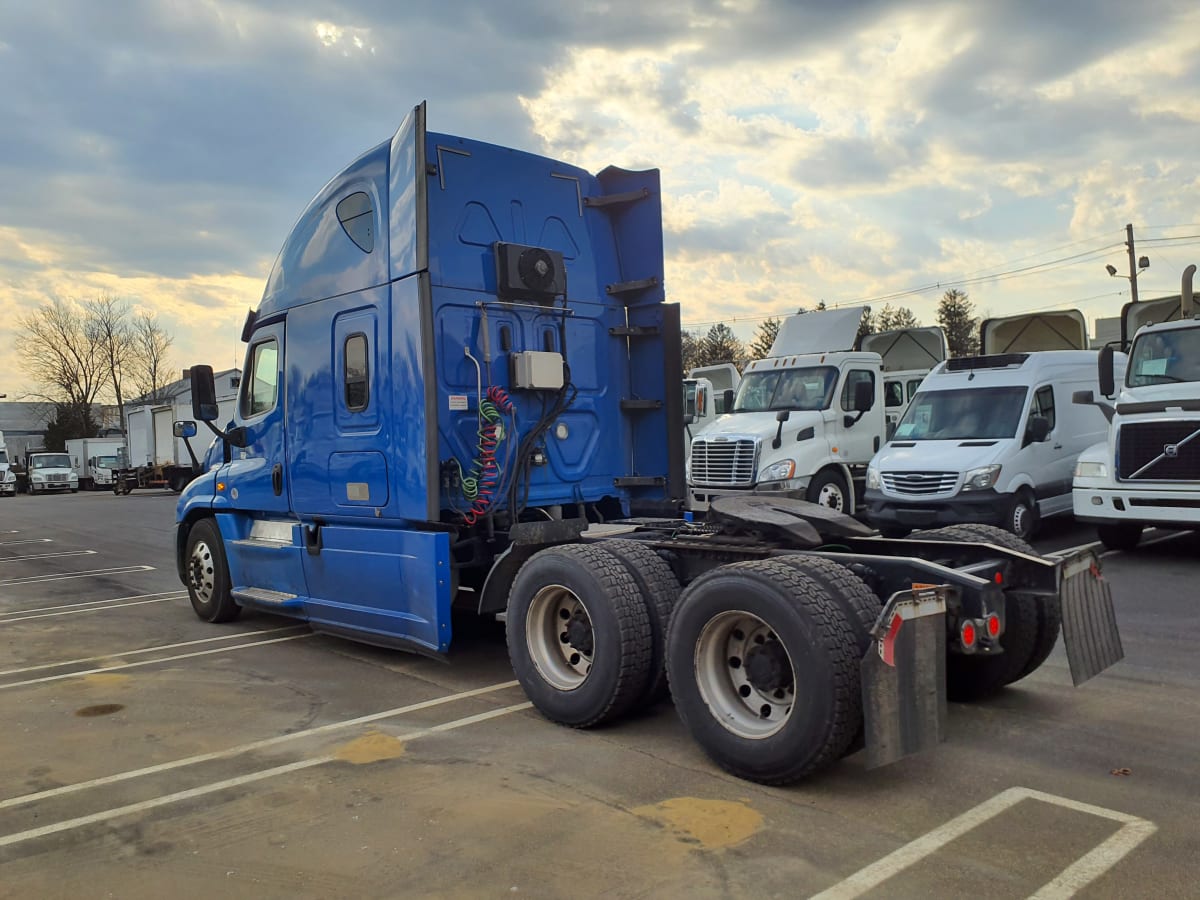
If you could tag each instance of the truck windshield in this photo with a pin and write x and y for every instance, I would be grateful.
(106, 462)
(1165, 357)
(3, 456)
(809, 388)
(993, 412)
(51, 461)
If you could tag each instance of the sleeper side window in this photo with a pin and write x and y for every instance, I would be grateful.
(356, 375)
(262, 388)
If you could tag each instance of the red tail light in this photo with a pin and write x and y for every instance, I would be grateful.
(993, 626)
(967, 634)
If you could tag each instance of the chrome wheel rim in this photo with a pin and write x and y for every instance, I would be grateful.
(560, 637)
(202, 572)
(745, 675)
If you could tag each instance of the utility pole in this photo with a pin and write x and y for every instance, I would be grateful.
(1133, 272)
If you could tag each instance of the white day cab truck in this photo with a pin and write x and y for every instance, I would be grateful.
(95, 459)
(50, 472)
(805, 421)
(429, 422)
(1147, 470)
(8, 478)
(708, 392)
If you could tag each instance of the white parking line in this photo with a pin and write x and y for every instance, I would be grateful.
(90, 573)
(123, 653)
(49, 555)
(38, 609)
(251, 747)
(167, 799)
(26, 541)
(150, 662)
(76, 612)
(1077, 875)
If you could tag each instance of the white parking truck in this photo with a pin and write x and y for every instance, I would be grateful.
(708, 391)
(8, 478)
(94, 460)
(805, 421)
(1147, 471)
(50, 472)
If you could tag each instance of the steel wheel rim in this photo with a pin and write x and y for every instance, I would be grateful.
(1020, 519)
(725, 686)
(831, 495)
(556, 617)
(202, 572)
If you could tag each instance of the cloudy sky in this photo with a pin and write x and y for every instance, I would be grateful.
(159, 150)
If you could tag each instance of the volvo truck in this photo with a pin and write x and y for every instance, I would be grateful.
(461, 392)
(1147, 470)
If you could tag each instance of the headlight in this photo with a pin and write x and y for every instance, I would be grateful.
(779, 471)
(1090, 470)
(982, 478)
(38, 478)
(872, 478)
(74, 477)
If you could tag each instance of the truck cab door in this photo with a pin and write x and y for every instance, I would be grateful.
(856, 443)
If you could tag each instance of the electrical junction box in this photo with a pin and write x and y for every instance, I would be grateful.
(537, 370)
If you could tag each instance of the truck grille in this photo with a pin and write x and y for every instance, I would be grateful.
(1159, 451)
(57, 476)
(922, 484)
(724, 463)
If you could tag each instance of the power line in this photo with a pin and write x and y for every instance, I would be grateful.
(1181, 237)
(1040, 253)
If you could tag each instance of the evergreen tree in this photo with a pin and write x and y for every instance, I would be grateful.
(900, 317)
(721, 345)
(955, 315)
(760, 347)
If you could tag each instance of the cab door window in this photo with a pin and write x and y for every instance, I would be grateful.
(1043, 405)
(853, 377)
(261, 391)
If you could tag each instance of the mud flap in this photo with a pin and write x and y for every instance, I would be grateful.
(904, 677)
(1089, 623)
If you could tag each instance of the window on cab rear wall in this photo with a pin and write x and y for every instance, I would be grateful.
(1165, 358)
(261, 388)
(357, 376)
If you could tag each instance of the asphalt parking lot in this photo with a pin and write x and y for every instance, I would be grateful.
(147, 754)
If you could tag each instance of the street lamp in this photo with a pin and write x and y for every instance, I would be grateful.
(1143, 264)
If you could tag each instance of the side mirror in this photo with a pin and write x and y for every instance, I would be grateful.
(864, 396)
(1039, 429)
(238, 437)
(204, 394)
(1083, 398)
(185, 429)
(727, 396)
(782, 416)
(1105, 371)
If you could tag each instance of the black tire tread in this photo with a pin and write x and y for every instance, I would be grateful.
(837, 635)
(633, 626)
(659, 589)
(225, 608)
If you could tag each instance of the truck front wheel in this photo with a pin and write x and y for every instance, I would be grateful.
(828, 488)
(208, 575)
(579, 636)
(764, 671)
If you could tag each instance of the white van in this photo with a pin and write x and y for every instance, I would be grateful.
(990, 439)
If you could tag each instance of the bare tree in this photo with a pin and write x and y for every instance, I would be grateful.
(153, 370)
(59, 355)
(106, 320)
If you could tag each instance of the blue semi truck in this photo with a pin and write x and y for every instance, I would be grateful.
(462, 393)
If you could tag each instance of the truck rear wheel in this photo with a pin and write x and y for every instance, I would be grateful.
(857, 601)
(208, 574)
(579, 636)
(1031, 625)
(764, 671)
(1120, 535)
(660, 592)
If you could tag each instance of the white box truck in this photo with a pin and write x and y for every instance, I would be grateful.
(8, 478)
(95, 459)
